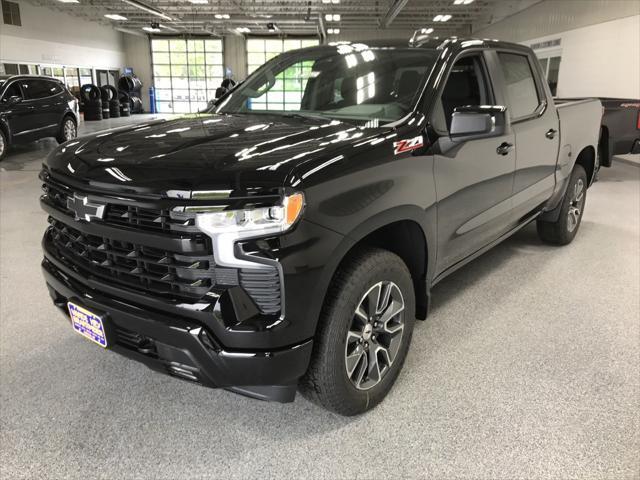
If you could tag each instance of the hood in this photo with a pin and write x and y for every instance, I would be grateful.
(230, 152)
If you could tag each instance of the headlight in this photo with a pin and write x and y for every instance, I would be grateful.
(226, 227)
(253, 222)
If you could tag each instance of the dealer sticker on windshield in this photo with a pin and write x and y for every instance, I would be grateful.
(87, 324)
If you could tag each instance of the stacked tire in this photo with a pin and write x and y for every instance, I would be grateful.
(124, 103)
(92, 101)
(110, 100)
(132, 86)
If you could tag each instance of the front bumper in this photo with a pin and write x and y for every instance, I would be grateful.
(182, 347)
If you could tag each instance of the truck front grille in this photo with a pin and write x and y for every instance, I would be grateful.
(127, 215)
(188, 276)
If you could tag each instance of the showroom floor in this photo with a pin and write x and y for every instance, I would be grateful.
(526, 368)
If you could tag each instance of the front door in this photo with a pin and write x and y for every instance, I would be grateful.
(16, 114)
(474, 178)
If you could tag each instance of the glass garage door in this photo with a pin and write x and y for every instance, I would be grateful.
(186, 73)
(259, 50)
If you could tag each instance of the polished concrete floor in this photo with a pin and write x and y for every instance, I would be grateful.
(528, 367)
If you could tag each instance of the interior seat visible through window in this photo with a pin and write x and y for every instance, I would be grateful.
(465, 86)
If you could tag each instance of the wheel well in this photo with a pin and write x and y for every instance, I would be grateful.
(71, 116)
(406, 239)
(5, 130)
(587, 158)
(603, 147)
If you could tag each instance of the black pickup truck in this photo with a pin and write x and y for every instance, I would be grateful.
(288, 238)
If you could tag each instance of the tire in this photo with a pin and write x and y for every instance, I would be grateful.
(68, 130)
(93, 111)
(114, 108)
(328, 381)
(4, 144)
(565, 228)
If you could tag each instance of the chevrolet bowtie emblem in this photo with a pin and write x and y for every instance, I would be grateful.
(83, 209)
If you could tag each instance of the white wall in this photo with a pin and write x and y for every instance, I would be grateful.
(51, 37)
(599, 43)
(600, 60)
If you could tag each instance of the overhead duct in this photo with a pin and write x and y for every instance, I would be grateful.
(393, 12)
(148, 9)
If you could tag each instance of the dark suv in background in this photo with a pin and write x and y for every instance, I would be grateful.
(34, 107)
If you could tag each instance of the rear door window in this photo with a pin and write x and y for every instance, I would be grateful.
(36, 89)
(521, 90)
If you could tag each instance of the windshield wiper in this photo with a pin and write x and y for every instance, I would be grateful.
(305, 115)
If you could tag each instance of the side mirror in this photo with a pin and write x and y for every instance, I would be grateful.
(478, 121)
(14, 99)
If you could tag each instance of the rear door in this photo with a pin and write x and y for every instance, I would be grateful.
(534, 121)
(474, 181)
(43, 97)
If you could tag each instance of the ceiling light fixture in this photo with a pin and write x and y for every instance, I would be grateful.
(442, 18)
(69, 1)
(243, 30)
(151, 29)
(222, 16)
(199, 2)
(462, 2)
(333, 31)
(147, 8)
(115, 16)
(335, 2)
(335, 17)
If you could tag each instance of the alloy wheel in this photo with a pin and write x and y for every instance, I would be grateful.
(69, 130)
(576, 205)
(375, 335)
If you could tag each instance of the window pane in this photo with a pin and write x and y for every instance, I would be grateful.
(195, 45)
(161, 58)
(162, 70)
(213, 45)
(160, 45)
(179, 58)
(291, 45)
(213, 58)
(177, 45)
(255, 45)
(554, 72)
(521, 88)
(179, 70)
(273, 46)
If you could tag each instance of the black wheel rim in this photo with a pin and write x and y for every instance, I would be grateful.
(375, 335)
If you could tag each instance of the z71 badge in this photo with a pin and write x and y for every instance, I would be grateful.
(407, 145)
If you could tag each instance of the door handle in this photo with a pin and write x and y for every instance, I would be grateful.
(551, 133)
(504, 148)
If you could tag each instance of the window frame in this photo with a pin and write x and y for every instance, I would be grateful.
(6, 89)
(488, 70)
(12, 11)
(535, 68)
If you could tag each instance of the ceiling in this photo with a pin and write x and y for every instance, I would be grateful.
(296, 16)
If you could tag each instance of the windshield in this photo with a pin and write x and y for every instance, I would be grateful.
(345, 82)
